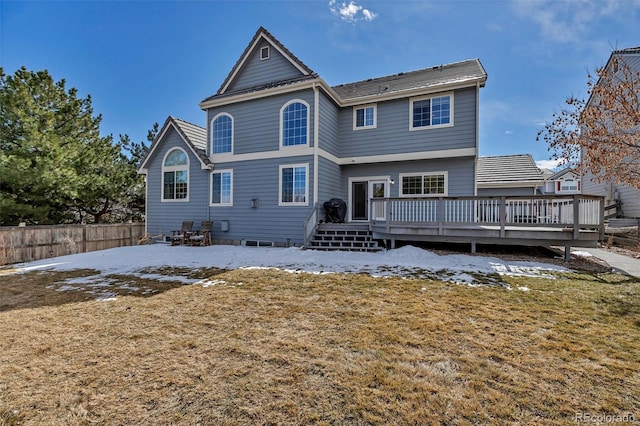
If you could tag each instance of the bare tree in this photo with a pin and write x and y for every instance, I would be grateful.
(602, 134)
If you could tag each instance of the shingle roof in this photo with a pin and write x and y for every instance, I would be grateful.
(194, 136)
(193, 133)
(561, 173)
(508, 170)
(629, 50)
(441, 74)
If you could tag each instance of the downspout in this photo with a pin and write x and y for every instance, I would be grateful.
(475, 173)
(316, 132)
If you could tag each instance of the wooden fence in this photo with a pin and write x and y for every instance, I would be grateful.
(25, 244)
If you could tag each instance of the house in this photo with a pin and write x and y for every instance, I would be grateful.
(508, 175)
(563, 182)
(280, 141)
(628, 197)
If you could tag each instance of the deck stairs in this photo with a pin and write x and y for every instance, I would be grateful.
(343, 236)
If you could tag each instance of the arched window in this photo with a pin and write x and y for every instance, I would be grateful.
(222, 133)
(294, 118)
(175, 176)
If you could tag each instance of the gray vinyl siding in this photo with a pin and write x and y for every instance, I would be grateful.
(392, 134)
(256, 124)
(256, 72)
(329, 138)
(461, 172)
(259, 179)
(629, 196)
(164, 217)
(330, 183)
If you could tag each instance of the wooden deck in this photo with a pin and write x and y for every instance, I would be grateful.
(571, 221)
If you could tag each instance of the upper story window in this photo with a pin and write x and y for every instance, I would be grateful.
(294, 117)
(175, 176)
(432, 184)
(364, 117)
(293, 185)
(264, 53)
(430, 112)
(568, 185)
(222, 133)
(222, 188)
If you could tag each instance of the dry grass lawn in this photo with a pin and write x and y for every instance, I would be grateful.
(269, 347)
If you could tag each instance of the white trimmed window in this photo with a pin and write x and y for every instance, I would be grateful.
(264, 53)
(432, 184)
(294, 119)
(293, 187)
(364, 117)
(568, 185)
(175, 176)
(429, 112)
(222, 133)
(222, 188)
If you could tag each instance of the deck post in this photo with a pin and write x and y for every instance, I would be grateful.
(576, 217)
(440, 215)
(567, 252)
(473, 246)
(502, 211)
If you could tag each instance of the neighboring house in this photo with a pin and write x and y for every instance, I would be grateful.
(280, 141)
(508, 175)
(627, 196)
(563, 182)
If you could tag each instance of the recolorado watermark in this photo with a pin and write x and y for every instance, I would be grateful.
(602, 418)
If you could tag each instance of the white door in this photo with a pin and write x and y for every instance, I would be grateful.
(378, 189)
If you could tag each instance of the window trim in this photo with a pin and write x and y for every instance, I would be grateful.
(221, 171)
(293, 101)
(423, 98)
(265, 49)
(181, 167)
(232, 132)
(445, 174)
(562, 182)
(364, 107)
(306, 188)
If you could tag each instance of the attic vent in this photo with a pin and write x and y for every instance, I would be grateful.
(264, 53)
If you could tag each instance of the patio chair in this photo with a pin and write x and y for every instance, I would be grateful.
(179, 237)
(202, 237)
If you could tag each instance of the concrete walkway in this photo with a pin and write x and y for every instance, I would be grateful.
(623, 264)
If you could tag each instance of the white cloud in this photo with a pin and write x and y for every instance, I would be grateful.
(548, 164)
(351, 12)
(569, 21)
(508, 132)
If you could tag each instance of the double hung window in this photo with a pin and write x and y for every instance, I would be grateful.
(175, 176)
(293, 185)
(222, 188)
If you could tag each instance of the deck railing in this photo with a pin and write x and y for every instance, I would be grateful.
(575, 211)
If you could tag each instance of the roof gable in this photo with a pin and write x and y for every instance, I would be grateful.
(508, 170)
(561, 173)
(194, 136)
(252, 71)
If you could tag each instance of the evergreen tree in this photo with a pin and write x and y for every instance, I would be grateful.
(54, 165)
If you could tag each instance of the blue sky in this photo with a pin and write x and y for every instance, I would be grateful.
(144, 60)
